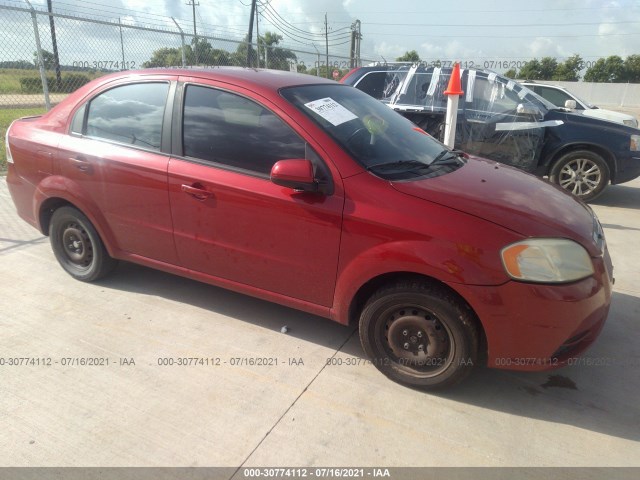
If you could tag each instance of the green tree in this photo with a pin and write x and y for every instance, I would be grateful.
(511, 73)
(535, 69)
(166, 57)
(609, 70)
(411, 56)
(530, 70)
(632, 68)
(548, 66)
(271, 55)
(47, 59)
(207, 55)
(569, 70)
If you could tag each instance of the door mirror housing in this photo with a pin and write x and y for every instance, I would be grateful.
(570, 104)
(527, 110)
(296, 174)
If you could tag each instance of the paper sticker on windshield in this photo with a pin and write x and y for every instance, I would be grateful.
(331, 111)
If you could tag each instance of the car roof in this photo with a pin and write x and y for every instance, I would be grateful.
(559, 87)
(252, 78)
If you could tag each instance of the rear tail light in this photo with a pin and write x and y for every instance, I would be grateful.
(6, 142)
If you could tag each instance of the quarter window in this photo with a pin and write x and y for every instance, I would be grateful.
(232, 130)
(130, 114)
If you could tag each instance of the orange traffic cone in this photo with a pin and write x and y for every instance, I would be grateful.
(453, 92)
(454, 87)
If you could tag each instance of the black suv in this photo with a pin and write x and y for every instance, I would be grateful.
(501, 120)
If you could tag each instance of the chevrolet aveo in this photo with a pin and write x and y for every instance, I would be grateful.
(314, 195)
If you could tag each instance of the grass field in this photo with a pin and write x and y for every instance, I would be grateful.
(6, 117)
(10, 78)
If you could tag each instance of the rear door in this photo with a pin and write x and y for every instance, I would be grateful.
(230, 220)
(116, 160)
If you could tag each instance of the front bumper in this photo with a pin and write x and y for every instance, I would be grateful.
(540, 327)
(628, 170)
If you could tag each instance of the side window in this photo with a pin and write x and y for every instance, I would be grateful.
(493, 97)
(130, 114)
(78, 120)
(557, 97)
(231, 130)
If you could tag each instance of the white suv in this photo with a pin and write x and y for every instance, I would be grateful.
(561, 97)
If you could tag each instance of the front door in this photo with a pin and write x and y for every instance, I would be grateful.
(230, 220)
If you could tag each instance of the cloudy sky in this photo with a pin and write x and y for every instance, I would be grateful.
(463, 30)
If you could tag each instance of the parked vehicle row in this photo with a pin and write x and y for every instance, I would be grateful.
(501, 120)
(315, 195)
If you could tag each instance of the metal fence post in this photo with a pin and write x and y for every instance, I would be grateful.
(121, 42)
(184, 61)
(43, 73)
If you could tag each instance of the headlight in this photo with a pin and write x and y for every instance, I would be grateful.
(635, 143)
(632, 122)
(547, 260)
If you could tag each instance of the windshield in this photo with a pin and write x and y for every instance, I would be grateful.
(371, 132)
(584, 102)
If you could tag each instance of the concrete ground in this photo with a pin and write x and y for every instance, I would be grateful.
(300, 412)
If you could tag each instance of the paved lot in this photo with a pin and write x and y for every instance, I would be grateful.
(303, 414)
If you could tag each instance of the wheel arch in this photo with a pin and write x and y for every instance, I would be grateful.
(606, 155)
(367, 289)
(47, 208)
(54, 193)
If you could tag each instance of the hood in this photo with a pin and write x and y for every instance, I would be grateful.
(510, 198)
(607, 115)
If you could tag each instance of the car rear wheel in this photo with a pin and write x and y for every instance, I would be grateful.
(419, 335)
(583, 173)
(77, 245)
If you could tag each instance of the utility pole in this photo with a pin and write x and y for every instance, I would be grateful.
(250, 35)
(56, 58)
(326, 42)
(193, 4)
(258, 36)
(356, 36)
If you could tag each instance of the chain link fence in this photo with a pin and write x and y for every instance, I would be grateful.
(44, 56)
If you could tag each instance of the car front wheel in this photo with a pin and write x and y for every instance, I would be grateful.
(77, 245)
(419, 335)
(583, 173)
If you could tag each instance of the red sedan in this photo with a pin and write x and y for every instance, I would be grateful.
(314, 195)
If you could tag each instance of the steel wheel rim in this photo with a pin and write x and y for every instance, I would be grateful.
(76, 245)
(580, 176)
(403, 330)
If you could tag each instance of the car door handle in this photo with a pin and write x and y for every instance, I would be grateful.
(197, 191)
(81, 164)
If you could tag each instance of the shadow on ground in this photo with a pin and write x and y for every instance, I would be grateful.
(622, 196)
(599, 394)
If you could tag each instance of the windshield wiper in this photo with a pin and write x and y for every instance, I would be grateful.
(398, 164)
(447, 157)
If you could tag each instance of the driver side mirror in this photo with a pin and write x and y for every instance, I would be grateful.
(296, 174)
(570, 104)
(527, 110)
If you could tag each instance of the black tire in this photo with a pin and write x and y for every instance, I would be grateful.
(77, 246)
(583, 173)
(420, 335)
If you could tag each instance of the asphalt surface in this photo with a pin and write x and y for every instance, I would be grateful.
(138, 411)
